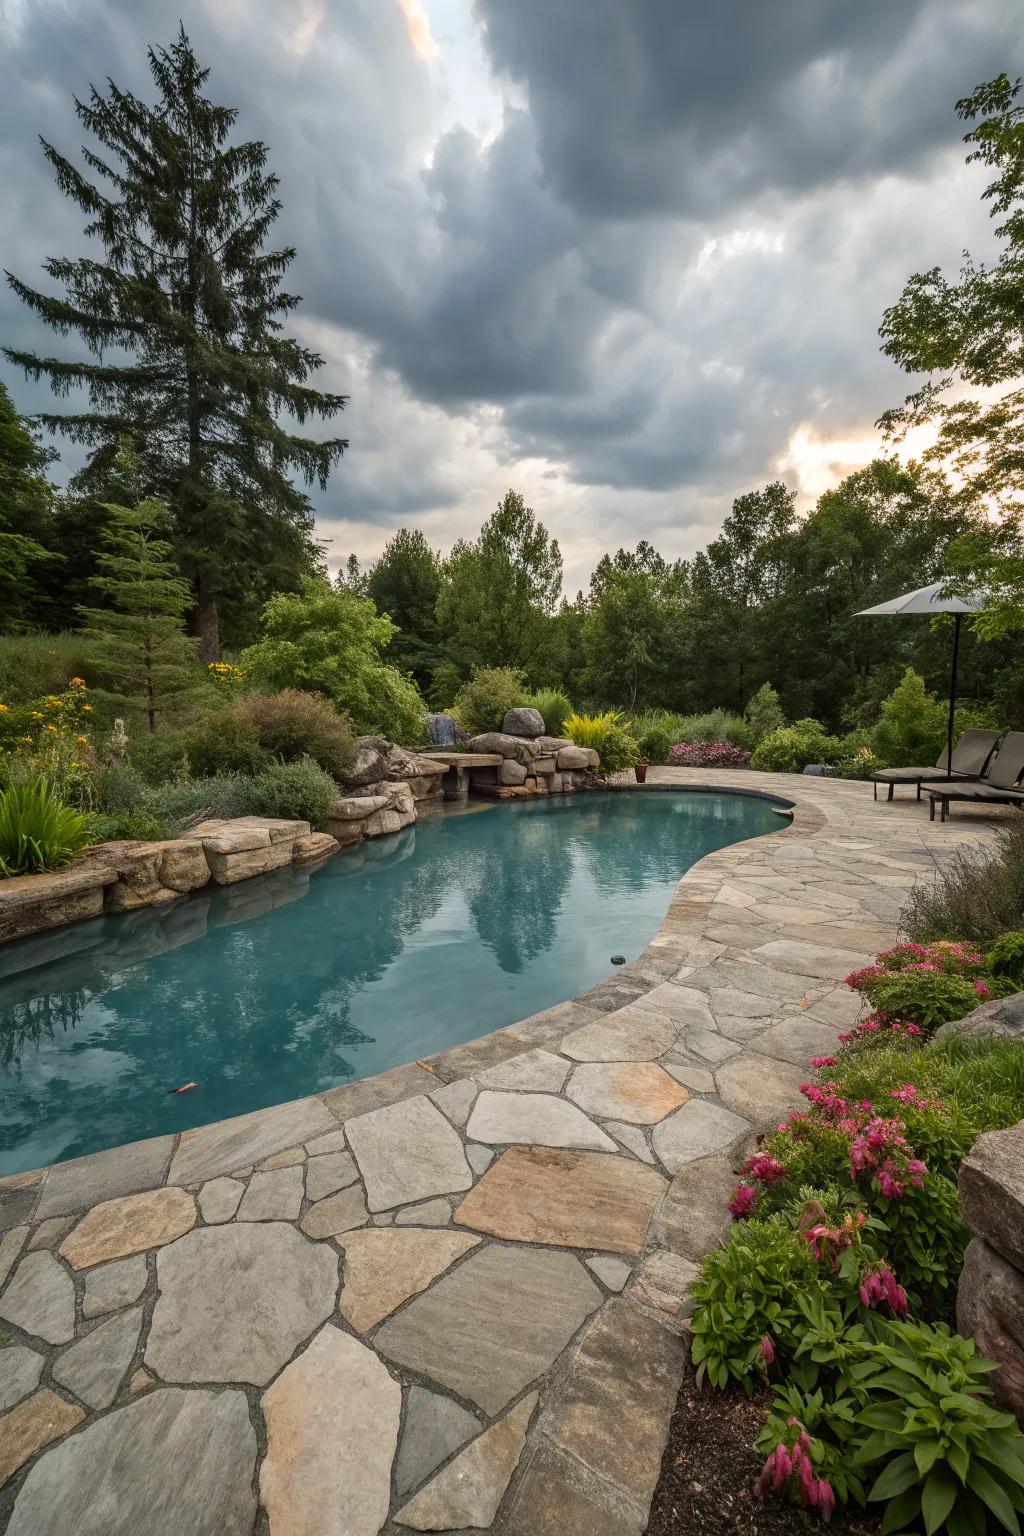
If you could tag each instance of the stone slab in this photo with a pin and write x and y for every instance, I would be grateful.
(114, 1285)
(494, 1324)
(610, 1271)
(86, 1181)
(246, 1140)
(534, 1119)
(641, 1092)
(435, 1426)
(94, 1368)
(332, 1427)
(817, 960)
(218, 1200)
(455, 1100)
(537, 1071)
(40, 1300)
(20, 1370)
(432, 1213)
(568, 1199)
(236, 1301)
(384, 1267)
(407, 1152)
(129, 1225)
(631, 1137)
(627, 1034)
(759, 1088)
(467, 1492)
(36, 1422)
(697, 1130)
(273, 1196)
(169, 1463)
(328, 1173)
(336, 1214)
(796, 1039)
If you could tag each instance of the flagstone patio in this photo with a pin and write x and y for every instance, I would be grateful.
(452, 1297)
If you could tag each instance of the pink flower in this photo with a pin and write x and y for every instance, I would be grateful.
(826, 1499)
(878, 1286)
(824, 1061)
(767, 1351)
(981, 989)
(765, 1169)
(744, 1199)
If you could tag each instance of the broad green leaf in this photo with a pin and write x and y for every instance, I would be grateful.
(937, 1499)
(995, 1496)
(896, 1478)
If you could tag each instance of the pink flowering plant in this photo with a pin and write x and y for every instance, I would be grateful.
(708, 754)
(914, 988)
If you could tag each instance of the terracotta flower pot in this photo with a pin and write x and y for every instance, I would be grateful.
(641, 772)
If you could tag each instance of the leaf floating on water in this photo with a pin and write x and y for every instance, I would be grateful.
(185, 1088)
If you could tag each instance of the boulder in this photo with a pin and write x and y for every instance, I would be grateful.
(990, 1310)
(318, 845)
(523, 722)
(1003, 1016)
(227, 868)
(573, 757)
(34, 903)
(520, 748)
(552, 745)
(512, 772)
(378, 760)
(991, 1186)
(183, 865)
(354, 817)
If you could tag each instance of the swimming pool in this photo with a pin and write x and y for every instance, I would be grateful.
(295, 982)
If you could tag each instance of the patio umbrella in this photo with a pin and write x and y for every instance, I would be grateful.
(933, 600)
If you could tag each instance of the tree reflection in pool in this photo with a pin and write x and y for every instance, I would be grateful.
(298, 981)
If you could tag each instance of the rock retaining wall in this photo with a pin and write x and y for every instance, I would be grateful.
(512, 763)
(990, 1296)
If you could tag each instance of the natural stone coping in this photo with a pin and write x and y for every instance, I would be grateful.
(494, 1328)
(467, 759)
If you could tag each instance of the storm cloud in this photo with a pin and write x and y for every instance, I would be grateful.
(618, 253)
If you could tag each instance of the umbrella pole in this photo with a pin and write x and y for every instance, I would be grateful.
(952, 695)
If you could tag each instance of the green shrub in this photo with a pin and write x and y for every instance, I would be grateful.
(553, 707)
(292, 724)
(654, 733)
(224, 741)
(481, 704)
(607, 735)
(139, 825)
(37, 830)
(977, 894)
(748, 1290)
(791, 749)
(925, 1241)
(713, 725)
(924, 998)
(913, 726)
(1006, 957)
(445, 682)
(763, 714)
(34, 665)
(301, 791)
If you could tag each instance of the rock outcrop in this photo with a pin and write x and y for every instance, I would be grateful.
(355, 817)
(1003, 1016)
(523, 722)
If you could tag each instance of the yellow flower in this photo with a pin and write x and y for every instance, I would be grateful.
(81, 741)
(77, 682)
(87, 708)
(3, 709)
(52, 703)
(36, 715)
(52, 729)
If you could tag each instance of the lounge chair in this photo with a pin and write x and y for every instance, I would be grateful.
(999, 787)
(970, 759)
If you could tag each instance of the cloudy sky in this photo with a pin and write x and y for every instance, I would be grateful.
(628, 256)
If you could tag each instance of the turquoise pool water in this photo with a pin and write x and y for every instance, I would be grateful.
(299, 981)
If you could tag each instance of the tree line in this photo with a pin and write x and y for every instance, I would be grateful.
(193, 404)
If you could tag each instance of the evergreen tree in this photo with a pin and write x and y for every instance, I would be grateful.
(142, 646)
(189, 292)
(26, 517)
(404, 583)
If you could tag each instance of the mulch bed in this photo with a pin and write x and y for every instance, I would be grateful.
(708, 1470)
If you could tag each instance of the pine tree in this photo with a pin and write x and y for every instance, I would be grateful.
(189, 293)
(142, 648)
(26, 517)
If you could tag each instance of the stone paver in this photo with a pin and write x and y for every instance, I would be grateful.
(273, 1196)
(611, 1272)
(534, 1120)
(632, 1138)
(129, 1225)
(631, 1034)
(20, 1370)
(796, 1040)
(327, 1174)
(94, 1368)
(536, 1071)
(434, 1428)
(811, 959)
(332, 1428)
(168, 1463)
(455, 1100)
(331, 1141)
(235, 1302)
(567, 1198)
(684, 1005)
(338, 1213)
(85, 1181)
(218, 1200)
(697, 1130)
(432, 1213)
(40, 1300)
(114, 1285)
(36, 1421)
(407, 1152)
(639, 1092)
(466, 1494)
(758, 1087)
(247, 1140)
(494, 1324)
(384, 1267)
(11, 1245)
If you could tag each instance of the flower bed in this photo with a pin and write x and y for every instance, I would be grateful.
(837, 1287)
(707, 754)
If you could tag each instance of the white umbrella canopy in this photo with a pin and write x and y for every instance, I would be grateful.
(934, 600)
